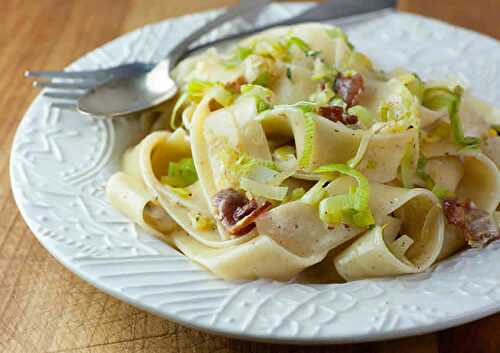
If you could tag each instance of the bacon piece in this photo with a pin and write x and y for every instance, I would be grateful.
(455, 211)
(247, 223)
(236, 212)
(349, 88)
(479, 227)
(213, 105)
(336, 113)
(235, 85)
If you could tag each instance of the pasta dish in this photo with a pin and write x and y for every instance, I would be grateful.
(291, 157)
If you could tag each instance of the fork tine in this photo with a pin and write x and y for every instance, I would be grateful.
(82, 75)
(65, 106)
(62, 95)
(64, 85)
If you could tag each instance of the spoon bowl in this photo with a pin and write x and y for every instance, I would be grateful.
(130, 94)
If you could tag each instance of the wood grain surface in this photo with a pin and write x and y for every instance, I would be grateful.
(43, 306)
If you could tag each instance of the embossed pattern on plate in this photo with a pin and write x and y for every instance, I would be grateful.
(60, 163)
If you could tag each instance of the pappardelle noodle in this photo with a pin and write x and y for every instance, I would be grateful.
(291, 157)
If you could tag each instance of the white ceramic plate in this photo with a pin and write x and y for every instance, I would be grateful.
(60, 163)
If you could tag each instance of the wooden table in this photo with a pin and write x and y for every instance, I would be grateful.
(43, 306)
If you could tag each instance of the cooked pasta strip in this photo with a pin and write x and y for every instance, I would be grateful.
(330, 142)
(453, 241)
(130, 196)
(491, 148)
(383, 156)
(481, 181)
(420, 218)
(260, 257)
(306, 236)
(379, 252)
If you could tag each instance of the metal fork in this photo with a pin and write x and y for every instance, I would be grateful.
(82, 81)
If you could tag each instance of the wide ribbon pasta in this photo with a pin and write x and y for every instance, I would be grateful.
(415, 213)
(290, 157)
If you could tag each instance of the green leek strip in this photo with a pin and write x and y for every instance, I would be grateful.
(273, 49)
(422, 161)
(262, 95)
(386, 112)
(436, 98)
(305, 106)
(363, 218)
(359, 60)
(295, 195)
(336, 32)
(340, 209)
(180, 102)
(336, 209)
(315, 194)
(257, 91)
(309, 132)
(180, 174)
(351, 208)
(364, 116)
(241, 164)
(414, 84)
(240, 54)
(245, 164)
(362, 192)
(363, 145)
(442, 192)
(299, 43)
(185, 169)
(284, 153)
(223, 96)
(323, 72)
(198, 88)
(406, 167)
(263, 79)
(270, 192)
(338, 102)
(323, 97)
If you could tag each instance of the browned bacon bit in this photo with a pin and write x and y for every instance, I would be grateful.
(454, 211)
(479, 226)
(336, 113)
(247, 223)
(236, 212)
(235, 85)
(213, 105)
(349, 88)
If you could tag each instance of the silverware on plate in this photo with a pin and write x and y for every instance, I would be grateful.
(134, 87)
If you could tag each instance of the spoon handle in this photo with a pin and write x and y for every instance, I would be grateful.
(328, 10)
(235, 11)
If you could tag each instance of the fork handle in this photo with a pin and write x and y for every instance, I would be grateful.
(328, 10)
(231, 13)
